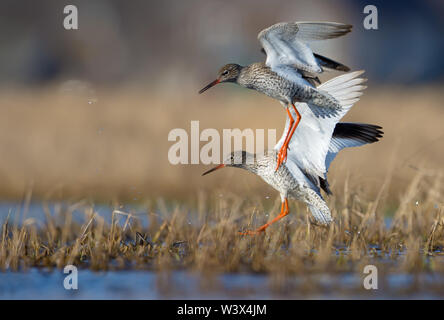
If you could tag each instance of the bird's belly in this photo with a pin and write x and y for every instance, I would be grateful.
(299, 193)
(279, 89)
(269, 83)
(280, 180)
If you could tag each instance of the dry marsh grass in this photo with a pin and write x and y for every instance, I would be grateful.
(206, 240)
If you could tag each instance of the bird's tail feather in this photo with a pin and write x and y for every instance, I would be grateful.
(322, 215)
(318, 208)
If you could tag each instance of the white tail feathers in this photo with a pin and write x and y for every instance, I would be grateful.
(318, 207)
(321, 214)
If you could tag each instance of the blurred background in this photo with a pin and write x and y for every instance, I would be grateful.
(86, 113)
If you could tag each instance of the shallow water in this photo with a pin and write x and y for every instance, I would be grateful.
(16, 213)
(35, 284)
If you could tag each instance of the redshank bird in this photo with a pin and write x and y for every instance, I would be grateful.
(312, 150)
(289, 72)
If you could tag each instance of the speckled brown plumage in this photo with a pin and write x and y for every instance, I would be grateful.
(259, 77)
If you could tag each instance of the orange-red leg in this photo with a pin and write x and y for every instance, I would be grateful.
(282, 155)
(283, 213)
(298, 119)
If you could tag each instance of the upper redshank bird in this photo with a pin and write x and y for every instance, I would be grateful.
(312, 149)
(289, 72)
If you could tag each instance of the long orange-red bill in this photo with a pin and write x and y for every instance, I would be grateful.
(214, 169)
(212, 84)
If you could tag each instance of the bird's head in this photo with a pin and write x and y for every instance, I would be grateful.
(228, 73)
(238, 159)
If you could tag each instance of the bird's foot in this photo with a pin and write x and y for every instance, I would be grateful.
(256, 232)
(250, 233)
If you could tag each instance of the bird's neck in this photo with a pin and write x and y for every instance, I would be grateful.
(252, 167)
(248, 75)
(244, 78)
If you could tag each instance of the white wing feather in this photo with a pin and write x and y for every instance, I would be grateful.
(355, 135)
(336, 145)
(284, 43)
(321, 30)
(310, 143)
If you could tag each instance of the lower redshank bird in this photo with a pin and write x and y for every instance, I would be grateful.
(289, 72)
(312, 150)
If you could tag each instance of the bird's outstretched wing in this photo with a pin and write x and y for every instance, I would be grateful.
(348, 135)
(285, 44)
(310, 143)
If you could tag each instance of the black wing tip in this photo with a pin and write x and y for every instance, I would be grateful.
(323, 183)
(368, 133)
(330, 64)
(343, 68)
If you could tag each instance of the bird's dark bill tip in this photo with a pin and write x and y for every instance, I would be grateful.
(213, 169)
(208, 86)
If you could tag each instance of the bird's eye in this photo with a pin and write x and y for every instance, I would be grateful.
(225, 73)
